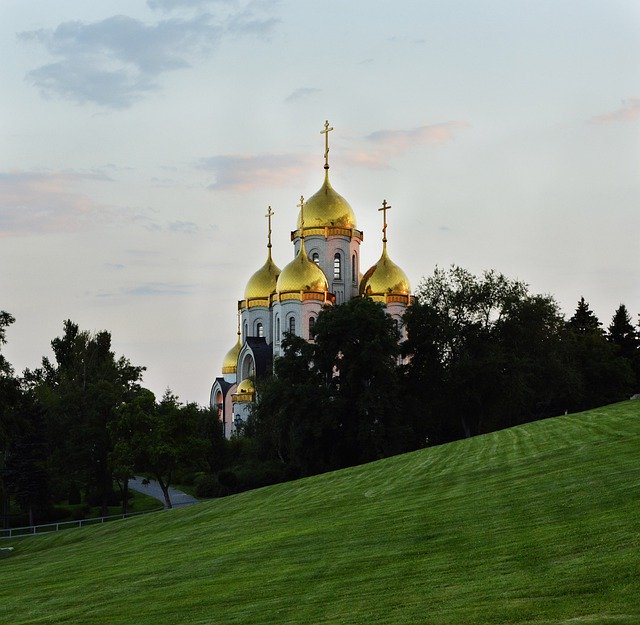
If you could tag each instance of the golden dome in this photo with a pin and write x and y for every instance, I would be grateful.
(263, 282)
(327, 208)
(246, 387)
(302, 274)
(385, 278)
(230, 361)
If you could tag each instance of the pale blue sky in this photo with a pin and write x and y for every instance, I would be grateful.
(142, 142)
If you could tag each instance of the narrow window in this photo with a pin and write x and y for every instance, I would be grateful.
(315, 257)
(292, 325)
(337, 268)
(259, 330)
(278, 330)
(312, 320)
(353, 269)
(246, 331)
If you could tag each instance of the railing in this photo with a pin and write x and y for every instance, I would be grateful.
(32, 530)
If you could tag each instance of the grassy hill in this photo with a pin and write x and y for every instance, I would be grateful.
(538, 524)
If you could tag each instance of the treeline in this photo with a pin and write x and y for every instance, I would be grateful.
(74, 431)
(480, 354)
(473, 355)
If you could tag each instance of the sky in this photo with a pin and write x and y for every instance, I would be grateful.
(141, 143)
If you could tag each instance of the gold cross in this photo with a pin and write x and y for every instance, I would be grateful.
(269, 214)
(326, 132)
(301, 207)
(384, 209)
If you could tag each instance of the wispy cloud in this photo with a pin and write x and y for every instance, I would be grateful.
(119, 60)
(37, 202)
(183, 227)
(160, 288)
(378, 148)
(302, 94)
(245, 173)
(629, 111)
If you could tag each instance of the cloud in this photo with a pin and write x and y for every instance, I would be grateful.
(244, 173)
(172, 5)
(183, 227)
(34, 202)
(380, 147)
(302, 93)
(160, 288)
(629, 111)
(117, 61)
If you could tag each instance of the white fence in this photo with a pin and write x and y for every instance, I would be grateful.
(32, 530)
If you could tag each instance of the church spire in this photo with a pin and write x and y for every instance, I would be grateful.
(301, 207)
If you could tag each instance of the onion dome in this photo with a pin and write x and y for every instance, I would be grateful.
(263, 282)
(302, 274)
(246, 387)
(327, 208)
(230, 361)
(385, 277)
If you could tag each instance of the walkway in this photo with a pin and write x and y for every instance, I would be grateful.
(152, 489)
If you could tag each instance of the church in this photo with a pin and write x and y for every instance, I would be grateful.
(325, 271)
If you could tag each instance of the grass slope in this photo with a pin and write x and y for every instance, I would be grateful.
(538, 524)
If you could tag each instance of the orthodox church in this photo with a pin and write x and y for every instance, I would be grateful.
(325, 271)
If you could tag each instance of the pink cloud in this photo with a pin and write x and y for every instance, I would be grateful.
(629, 111)
(41, 202)
(380, 147)
(245, 173)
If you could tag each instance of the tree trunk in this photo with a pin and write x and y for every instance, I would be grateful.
(165, 492)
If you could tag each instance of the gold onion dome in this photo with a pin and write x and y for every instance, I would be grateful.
(385, 278)
(302, 274)
(230, 361)
(246, 387)
(327, 208)
(263, 282)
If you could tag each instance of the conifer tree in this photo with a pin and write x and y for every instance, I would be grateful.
(622, 333)
(584, 320)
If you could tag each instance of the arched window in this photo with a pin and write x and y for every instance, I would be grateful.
(353, 269)
(277, 329)
(259, 329)
(337, 267)
(315, 257)
(292, 324)
(246, 331)
(312, 321)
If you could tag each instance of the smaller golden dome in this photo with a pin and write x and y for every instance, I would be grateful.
(302, 274)
(246, 387)
(327, 208)
(263, 282)
(230, 361)
(385, 278)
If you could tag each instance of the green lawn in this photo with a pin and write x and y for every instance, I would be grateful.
(538, 524)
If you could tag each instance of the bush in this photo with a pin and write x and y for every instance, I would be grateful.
(206, 486)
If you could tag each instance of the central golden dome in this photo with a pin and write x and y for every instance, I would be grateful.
(263, 282)
(385, 278)
(327, 208)
(302, 274)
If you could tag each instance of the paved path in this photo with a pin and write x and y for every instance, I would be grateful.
(152, 489)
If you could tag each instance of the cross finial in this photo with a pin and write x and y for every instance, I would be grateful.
(301, 207)
(269, 214)
(384, 209)
(325, 132)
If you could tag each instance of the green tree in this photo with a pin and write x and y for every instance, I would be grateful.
(584, 320)
(80, 391)
(157, 439)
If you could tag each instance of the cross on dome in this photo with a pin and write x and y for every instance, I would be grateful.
(269, 214)
(384, 209)
(326, 132)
